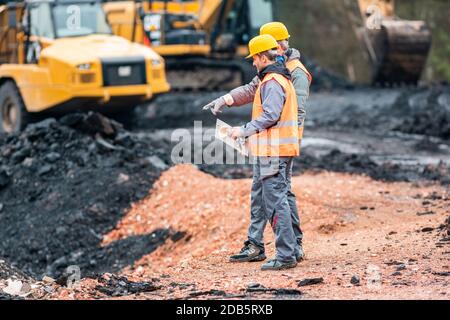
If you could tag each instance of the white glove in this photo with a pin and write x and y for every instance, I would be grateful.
(236, 132)
(217, 105)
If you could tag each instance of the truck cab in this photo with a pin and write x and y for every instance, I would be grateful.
(61, 56)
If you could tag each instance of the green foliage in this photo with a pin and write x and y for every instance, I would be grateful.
(440, 57)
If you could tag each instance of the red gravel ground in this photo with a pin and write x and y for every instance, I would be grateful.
(353, 225)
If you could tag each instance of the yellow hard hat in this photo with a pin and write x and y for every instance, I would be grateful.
(276, 29)
(261, 44)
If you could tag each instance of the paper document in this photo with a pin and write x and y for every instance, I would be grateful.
(221, 133)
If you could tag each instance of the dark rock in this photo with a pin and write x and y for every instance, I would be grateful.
(177, 236)
(182, 286)
(72, 119)
(116, 286)
(394, 263)
(96, 123)
(44, 169)
(442, 274)
(282, 292)
(310, 281)
(44, 124)
(258, 288)
(20, 155)
(208, 293)
(426, 213)
(355, 280)
(401, 267)
(254, 286)
(4, 179)
(52, 157)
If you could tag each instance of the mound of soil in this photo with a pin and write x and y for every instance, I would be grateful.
(65, 183)
(427, 112)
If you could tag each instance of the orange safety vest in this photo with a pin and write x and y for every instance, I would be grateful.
(296, 63)
(291, 65)
(282, 139)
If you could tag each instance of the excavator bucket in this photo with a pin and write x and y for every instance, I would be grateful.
(400, 50)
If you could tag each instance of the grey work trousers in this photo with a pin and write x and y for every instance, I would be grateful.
(273, 200)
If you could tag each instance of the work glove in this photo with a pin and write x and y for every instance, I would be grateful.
(236, 132)
(217, 105)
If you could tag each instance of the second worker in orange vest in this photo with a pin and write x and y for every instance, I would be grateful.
(273, 137)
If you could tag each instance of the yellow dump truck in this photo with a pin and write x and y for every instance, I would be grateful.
(57, 56)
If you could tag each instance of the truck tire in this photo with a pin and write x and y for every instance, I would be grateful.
(13, 114)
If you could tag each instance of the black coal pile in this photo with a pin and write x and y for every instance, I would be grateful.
(7, 271)
(422, 111)
(428, 112)
(338, 161)
(324, 79)
(64, 184)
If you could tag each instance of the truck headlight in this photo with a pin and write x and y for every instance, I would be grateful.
(156, 62)
(84, 66)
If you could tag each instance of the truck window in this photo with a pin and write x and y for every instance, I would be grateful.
(41, 21)
(81, 19)
(260, 12)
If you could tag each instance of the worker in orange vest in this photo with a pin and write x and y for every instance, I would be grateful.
(245, 94)
(273, 137)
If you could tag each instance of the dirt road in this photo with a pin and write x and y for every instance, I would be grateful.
(385, 234)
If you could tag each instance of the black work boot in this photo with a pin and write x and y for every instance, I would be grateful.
(275, 264)
(249, 253)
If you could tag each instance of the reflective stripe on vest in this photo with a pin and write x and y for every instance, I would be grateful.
(296, 63)
(274, 142)
(282, 139)
(290, 123)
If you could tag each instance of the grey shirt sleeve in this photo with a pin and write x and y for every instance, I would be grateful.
(273, 98)
(245, 94)
(301, 84)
